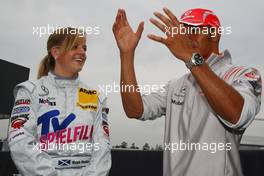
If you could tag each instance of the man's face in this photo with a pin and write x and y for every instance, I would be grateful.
(202, 40)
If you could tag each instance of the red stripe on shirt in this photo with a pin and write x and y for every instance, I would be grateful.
(226, 74)
(234, 72)
(241, 68)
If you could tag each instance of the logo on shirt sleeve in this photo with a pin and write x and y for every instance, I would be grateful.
(22, 109)
(22, 102)
(18, 121)
(105, 128)
(254, 79)
(105, 125)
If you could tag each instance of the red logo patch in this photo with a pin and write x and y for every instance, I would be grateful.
(105, 127)
(106, 130)
(253, 75)
(18, 123)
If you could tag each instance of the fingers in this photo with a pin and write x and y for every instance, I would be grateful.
(172, 17)
(162, 27)
(140, 29)
(118, 16)
(121, 20)
(117, 20)
(121, 17)
(164, 19)
(124, 17)
(157, 38)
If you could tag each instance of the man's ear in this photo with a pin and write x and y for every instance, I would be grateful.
(55, 52)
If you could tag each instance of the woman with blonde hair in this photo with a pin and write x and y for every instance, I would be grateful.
(58, 124)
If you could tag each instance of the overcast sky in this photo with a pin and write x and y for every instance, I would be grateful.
(154, 63)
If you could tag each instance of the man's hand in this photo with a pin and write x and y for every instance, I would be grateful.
(127, 42)
(126, 39)
(180, 45)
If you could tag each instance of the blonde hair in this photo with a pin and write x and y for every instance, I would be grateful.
(65, 38)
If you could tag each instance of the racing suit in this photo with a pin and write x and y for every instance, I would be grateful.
(198, 141)
(59, 128)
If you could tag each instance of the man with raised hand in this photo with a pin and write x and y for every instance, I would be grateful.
(208, 109)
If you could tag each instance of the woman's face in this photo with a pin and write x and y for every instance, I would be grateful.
(70, 63)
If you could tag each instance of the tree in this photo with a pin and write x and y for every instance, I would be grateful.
(123, 145)
(146, 147)
(158, 147)
(117, 146)
(133, 146)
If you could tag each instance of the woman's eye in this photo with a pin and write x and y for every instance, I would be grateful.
(84, 48)
(75, 47)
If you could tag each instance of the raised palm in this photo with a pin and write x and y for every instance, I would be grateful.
(126, 38)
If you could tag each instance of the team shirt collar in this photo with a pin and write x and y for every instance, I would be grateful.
(62, 81)
(216, 61)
